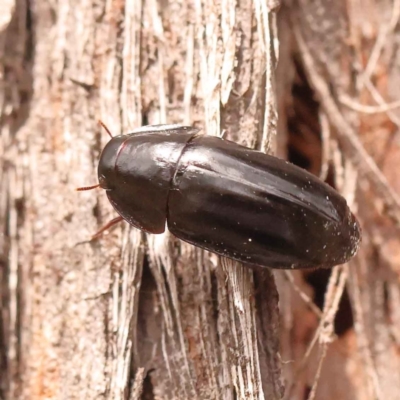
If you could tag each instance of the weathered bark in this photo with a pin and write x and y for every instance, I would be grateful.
(139, 316)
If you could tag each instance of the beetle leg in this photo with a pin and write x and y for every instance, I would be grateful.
(107, 226)
(101, 231)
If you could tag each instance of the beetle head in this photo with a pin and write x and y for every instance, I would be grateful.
(106, 169)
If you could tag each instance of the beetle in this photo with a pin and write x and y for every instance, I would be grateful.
(226, 198)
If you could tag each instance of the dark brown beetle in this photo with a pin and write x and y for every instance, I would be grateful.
(226, 198)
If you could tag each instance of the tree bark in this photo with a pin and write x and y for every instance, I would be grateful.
(132, 315)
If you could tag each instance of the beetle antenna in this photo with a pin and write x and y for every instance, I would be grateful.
(105, 127)
(81, 189)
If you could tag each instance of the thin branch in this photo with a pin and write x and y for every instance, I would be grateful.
(325, 136)
(360, 329)
(381, 40)
(304, 296)
(333, 295)
(382, 108)
(318, 373)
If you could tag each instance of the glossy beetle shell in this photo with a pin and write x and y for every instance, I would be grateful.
(226, 198)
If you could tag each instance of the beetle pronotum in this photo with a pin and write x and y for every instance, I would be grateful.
(226, 198)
